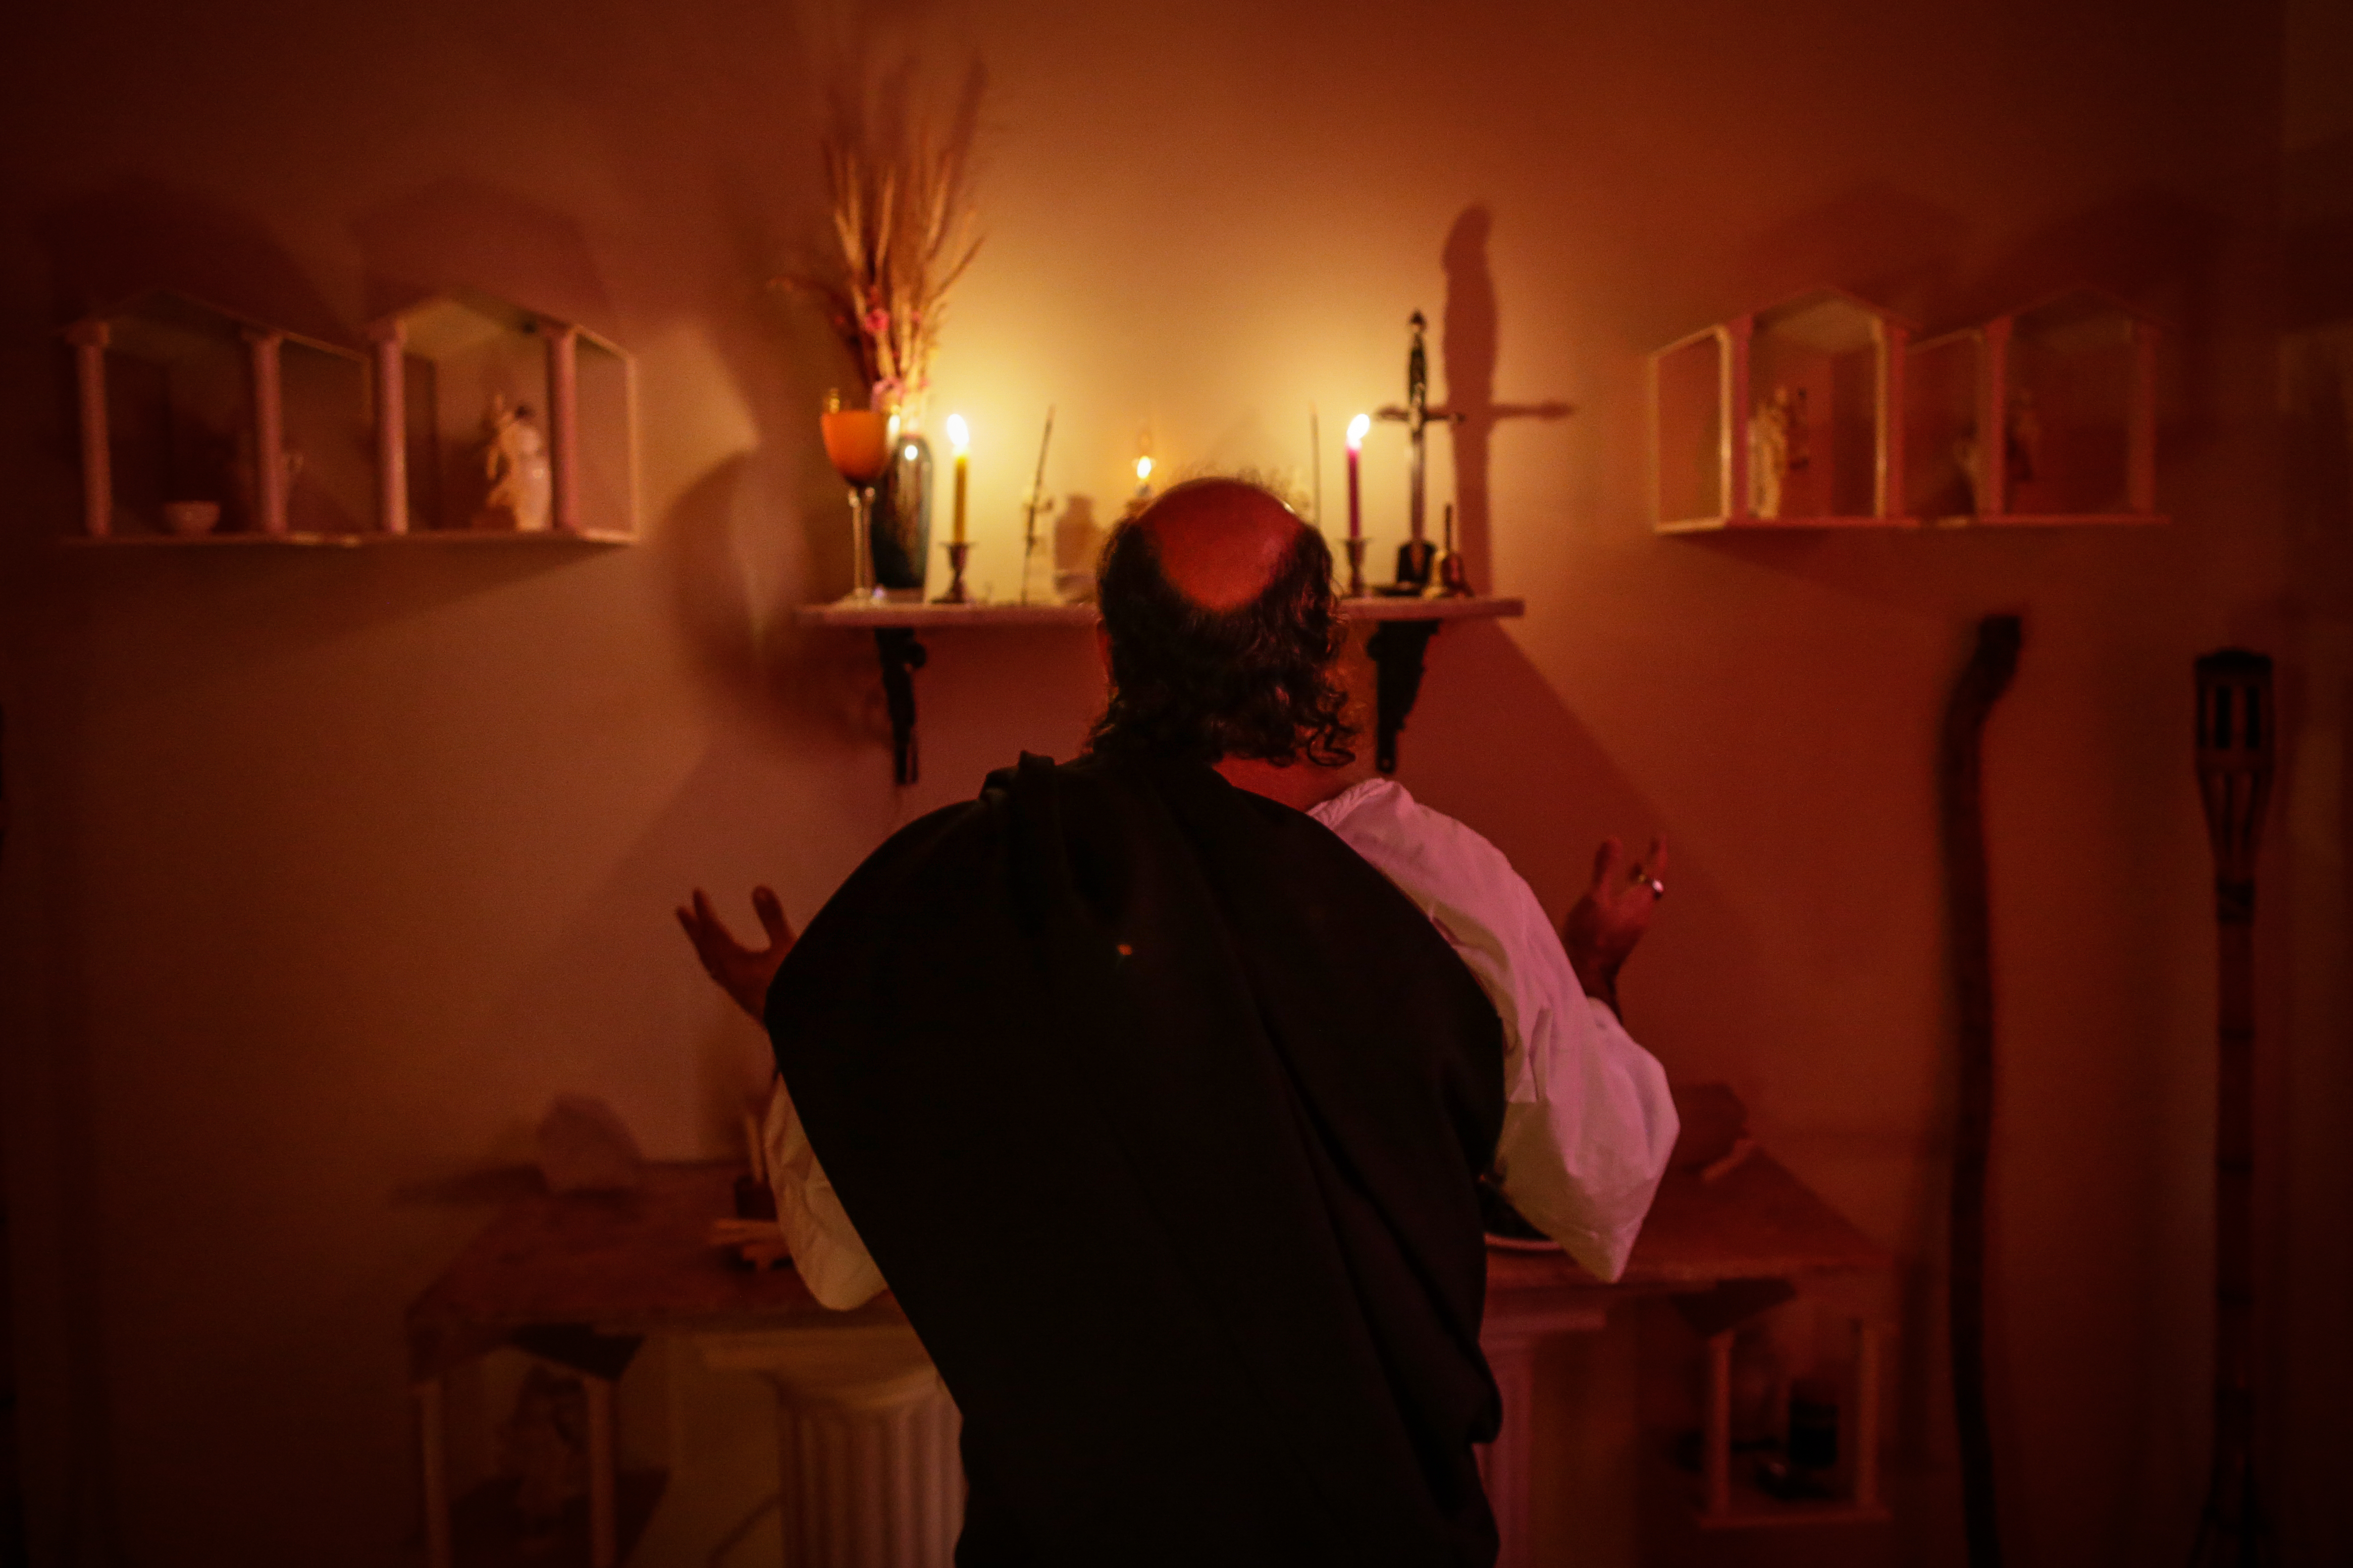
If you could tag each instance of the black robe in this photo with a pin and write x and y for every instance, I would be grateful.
(1161, 1111)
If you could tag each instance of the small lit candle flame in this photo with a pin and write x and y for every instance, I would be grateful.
(1143, 470)
(1356, 429)
(959, 433)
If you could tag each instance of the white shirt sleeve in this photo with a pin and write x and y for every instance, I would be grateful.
(827, 1253)
(1588, 1123)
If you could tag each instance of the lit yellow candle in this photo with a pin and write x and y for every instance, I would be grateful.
(960, 437)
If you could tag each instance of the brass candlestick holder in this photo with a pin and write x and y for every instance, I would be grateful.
(958, 553)
(1356, 568)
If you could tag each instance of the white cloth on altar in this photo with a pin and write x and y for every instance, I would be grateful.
(827, 1252)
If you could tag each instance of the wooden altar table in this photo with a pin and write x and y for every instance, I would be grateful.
(582, 1280)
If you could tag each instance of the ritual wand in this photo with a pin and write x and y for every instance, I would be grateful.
(1316, 461)
(2236, 720)
(1029, 511)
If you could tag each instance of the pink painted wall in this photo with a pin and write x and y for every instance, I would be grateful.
(329, 870)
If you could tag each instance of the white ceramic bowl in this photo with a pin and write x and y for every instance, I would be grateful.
(191, 519)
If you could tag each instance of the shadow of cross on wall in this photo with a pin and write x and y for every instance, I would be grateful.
(1467, 350)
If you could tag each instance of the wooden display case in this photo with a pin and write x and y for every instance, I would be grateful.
(1785, 417)
(2075, 377)
(1944, 400)
(1732, 1495)
(439, 365)
(2071, 384)
(184, 405)
(201, 426)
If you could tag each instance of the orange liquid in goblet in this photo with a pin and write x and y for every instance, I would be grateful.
(857, 440)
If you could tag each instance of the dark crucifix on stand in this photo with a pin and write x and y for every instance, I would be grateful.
(1415, 555)
(1397, 647)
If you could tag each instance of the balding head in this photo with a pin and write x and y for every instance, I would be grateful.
(1218, 608)
(1221, 542)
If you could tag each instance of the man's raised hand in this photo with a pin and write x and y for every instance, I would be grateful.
(744, 972)
(1603, 930)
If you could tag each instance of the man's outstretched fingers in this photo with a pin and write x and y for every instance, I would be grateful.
(712, 924)
(1605, 860)
(770, 910)
(714, 944)
(1650, 872)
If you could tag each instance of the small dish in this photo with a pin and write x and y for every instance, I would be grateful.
(192, 519)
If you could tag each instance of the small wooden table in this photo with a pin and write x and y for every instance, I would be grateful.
(1728, 1248)
(583, 1279)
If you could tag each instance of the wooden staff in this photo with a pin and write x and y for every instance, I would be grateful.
(1980, 686)
(2235, 724)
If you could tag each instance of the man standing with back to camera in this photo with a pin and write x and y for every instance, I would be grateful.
(1161, 1085)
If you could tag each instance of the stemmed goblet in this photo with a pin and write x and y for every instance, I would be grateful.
(858, 442)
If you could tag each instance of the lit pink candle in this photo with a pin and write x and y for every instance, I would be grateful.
(1356, 429)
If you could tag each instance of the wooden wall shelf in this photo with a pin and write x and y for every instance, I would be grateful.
(437, 363)
(296, 440)
(1785, 417)
(1823, 413)
(1398, 646)
(429, 539)
(1782, 524)
(1918, 524)
(183, 401)
(934, 618)
(2070, 385)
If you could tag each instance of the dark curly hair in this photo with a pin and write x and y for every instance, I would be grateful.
(1201, 684)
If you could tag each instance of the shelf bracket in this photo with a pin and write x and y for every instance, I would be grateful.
(1396, 648)
(902, 656)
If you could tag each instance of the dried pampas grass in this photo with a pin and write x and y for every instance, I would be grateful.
(903, 218)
